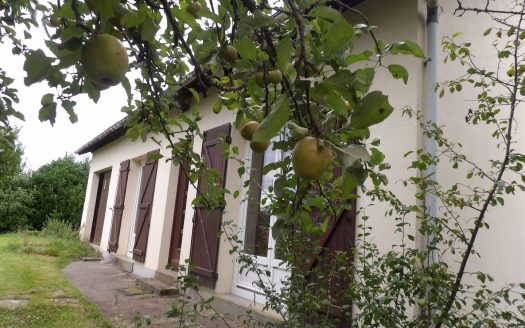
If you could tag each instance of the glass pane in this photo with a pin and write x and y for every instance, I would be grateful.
(257, 222)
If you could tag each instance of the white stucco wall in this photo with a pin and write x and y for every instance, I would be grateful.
(500, 247)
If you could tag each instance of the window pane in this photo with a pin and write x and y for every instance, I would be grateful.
(257, 222)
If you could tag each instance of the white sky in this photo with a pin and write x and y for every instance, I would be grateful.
(43, 142)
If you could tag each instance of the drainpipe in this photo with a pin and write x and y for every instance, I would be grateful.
(431, 113)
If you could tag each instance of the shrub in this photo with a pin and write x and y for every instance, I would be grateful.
(58, 191)
(58, 228)
(15, 203)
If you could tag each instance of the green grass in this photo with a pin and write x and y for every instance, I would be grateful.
(30, 270)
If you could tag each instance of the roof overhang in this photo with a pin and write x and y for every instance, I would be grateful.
(119, 129)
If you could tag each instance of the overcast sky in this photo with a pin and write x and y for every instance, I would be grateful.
(43, 142)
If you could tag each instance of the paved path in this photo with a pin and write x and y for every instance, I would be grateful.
(105, 285)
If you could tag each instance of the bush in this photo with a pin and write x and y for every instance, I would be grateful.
(16, 201)
(59, 229)
(58, 191)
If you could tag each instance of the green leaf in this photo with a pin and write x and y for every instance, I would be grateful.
(71, 32)
(273, 123)
(353, 177)
(37, 66)
(326, 12)
(64, 12)
(196, 95)
(69, 105)
(48, 111)
(247, 49)
(154, 156)
(284, 54)
(133, 19)
(352, 154)
(377, 156)
(127, 87)
(296, 131)
(339, 36)
(354, 58)
(104, 9)
(407, 47)
(148, 30)
(398, 72)
(363, 78)
(372, 109)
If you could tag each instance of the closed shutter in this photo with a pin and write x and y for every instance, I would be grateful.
(118, 207)
(207, 221)
(339, 237)
(147, 189)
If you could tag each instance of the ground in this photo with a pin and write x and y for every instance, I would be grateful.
(42, 284)
(34, 292)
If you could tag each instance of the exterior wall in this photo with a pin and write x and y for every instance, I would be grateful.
(398, 135)
(159, 239)
(110, 156)
(501, 247)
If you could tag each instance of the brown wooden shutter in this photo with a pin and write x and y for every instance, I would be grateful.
(339, 237)
(207, 221)
(179, 215)
(147, 189)
(118, 207)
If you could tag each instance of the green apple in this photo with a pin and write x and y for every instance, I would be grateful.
(55, 21)
(310, 159)
(248, 129)
(275, 76)
(259, 146)
(229, 53)
(193, 8)
(104, 59)
(259, 78)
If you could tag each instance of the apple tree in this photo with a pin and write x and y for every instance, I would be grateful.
(287, 68)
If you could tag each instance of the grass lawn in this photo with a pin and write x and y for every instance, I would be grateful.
(30, 270)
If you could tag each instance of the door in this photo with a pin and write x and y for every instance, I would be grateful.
(144, 207)
(207, 221)
(118, 207)
(257, 236)
(100, 207)
(178, 216)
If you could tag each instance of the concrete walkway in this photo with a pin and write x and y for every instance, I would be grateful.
(120, 299)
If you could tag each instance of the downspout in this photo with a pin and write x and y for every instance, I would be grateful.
(430, 112)
(431, 115)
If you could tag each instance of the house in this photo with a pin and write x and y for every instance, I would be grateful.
(141, 212)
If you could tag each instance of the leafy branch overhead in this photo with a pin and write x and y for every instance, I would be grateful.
(274, 64)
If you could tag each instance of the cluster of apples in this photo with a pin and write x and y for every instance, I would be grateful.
(311, 157)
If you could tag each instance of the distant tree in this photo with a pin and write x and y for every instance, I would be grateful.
(15, 202)
(58, 191)
(11, 153)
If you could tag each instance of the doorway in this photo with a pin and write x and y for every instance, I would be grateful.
(100, 207)
(178, 216)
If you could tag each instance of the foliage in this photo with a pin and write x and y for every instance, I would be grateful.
(16, 203)
(59, 229)
(327, 91)
(58, 191)
(11, 153)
